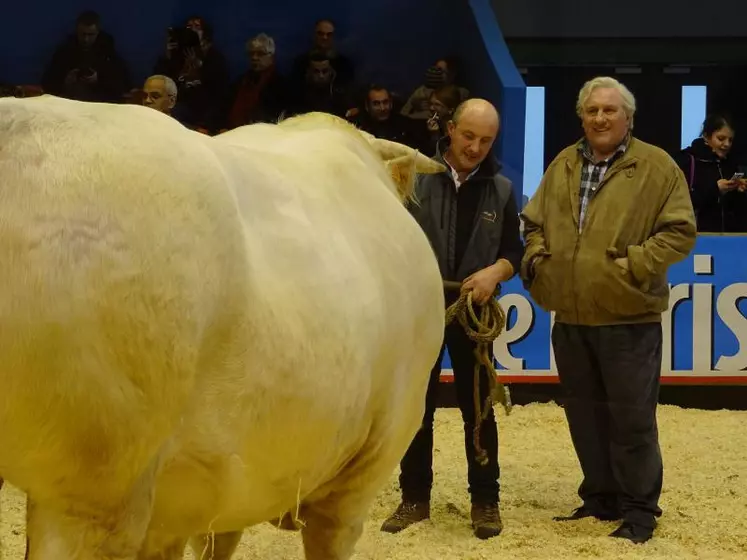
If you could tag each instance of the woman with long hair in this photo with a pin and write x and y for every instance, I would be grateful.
(719, 196)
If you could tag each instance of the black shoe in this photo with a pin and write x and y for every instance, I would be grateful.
(584, 512)
(637, 534)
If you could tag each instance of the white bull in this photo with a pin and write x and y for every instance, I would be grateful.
(199, 334)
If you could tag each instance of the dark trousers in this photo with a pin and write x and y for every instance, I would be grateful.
(610, 377)
(416, 478)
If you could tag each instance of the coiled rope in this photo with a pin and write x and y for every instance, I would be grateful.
(482, 330)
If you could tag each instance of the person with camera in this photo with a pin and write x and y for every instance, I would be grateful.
(86, 67)
(200, 72)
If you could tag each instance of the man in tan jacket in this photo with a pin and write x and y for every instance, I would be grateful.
(611, 215)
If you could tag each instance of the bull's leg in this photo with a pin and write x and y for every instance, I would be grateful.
(78, 532)
(54, 534)
(216, 546)
(332, 520)
(333, 523)
(328, 533)
(285, 522)
(172, 549)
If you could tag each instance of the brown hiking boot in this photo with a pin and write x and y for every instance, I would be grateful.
(406, 514)
(486, 520)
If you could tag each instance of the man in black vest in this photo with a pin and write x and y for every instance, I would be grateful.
(471, 218)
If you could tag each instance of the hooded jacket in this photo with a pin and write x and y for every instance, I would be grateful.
(715, 212)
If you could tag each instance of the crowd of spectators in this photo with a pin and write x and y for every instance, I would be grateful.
(192, 82)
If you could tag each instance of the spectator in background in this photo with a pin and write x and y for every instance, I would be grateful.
(160, 93)
(720, 202)
(441, 105)
(261, 94)
(324, 45)
(442, 73)
(378, 119)
(200, 71)
(7, 90)
(320, 91)
(86, 67)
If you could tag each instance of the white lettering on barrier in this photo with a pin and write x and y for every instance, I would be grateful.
(736, 322)
(520, 328)
(702, 327)
(677, 294)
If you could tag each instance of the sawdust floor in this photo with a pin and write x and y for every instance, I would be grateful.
(704, 499)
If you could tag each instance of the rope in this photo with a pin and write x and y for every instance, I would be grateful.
(489, 325)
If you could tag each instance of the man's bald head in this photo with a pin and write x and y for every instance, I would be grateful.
(472, 130)
(479, 109)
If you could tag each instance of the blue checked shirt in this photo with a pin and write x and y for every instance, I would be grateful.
(592, 174)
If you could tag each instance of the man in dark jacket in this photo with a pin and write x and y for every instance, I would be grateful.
(379, 119)
(470, 216)
(86, 66)
(261, 93)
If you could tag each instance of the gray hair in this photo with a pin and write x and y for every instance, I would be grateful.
(264, 41)
(169, 84)
(607, 82)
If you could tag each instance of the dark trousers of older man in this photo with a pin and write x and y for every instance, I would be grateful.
(416, 478)
(610, 377)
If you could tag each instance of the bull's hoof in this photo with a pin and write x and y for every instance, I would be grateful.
(286, 523)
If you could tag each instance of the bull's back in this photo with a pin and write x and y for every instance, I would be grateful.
(116, 246)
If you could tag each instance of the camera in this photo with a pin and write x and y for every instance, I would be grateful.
(184, 38)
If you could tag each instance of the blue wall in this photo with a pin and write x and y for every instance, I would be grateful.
(491, 68)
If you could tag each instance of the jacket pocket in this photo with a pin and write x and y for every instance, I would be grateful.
(548, 286)
(616, 291)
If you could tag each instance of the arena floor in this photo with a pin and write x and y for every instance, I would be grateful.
(704, 500)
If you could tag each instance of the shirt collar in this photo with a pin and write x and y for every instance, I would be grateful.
(455, 175)
(585, 150)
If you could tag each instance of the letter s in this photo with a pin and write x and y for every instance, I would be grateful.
(727, 308)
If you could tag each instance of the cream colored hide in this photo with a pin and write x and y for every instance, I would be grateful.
(200, 334)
